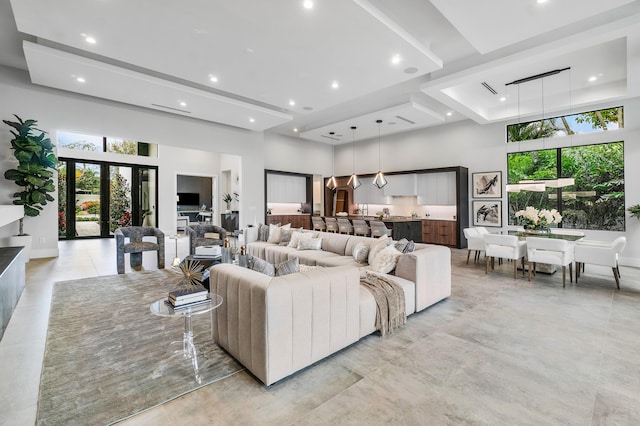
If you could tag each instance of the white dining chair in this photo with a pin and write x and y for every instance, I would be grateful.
(504, 247)
(552, 251)
(475, 243)
(600, 253)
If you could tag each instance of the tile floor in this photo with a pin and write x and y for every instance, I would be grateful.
(498, 351)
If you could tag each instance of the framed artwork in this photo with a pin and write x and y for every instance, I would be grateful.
(487, 185)
(487, 213)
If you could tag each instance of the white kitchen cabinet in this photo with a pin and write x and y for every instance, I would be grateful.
(286, 189)
(370, 194)
(401, 185)
(437, 188)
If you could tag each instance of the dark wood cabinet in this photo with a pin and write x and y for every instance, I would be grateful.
(296, 220)
(443, 232)
(411, 230)
(229, 221)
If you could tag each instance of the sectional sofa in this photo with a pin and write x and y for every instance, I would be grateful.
(278, 325)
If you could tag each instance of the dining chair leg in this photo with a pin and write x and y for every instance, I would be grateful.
(522, 266)
(486, 265)
(468, 255)
(564, 276)
(529, 268)
(515, 269)
(571, 272)
(615, 275)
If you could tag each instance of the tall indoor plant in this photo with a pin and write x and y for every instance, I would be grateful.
(36, 165)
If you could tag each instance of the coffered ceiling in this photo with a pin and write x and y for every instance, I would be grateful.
(282, 67)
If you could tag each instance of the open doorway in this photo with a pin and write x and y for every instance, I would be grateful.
(196, 199)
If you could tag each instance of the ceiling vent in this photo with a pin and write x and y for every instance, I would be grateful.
(399, 117)
(489, 88)
(173, 109)
(332, 137)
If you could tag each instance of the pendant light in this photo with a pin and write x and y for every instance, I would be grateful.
(331, 183)
(379, 181)
(354, 181)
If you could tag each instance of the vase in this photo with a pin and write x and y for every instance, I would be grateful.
(536, 230)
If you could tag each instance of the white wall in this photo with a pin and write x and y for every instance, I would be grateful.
(61, 110)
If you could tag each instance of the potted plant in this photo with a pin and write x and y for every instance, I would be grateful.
(34, 174)
(227, 198)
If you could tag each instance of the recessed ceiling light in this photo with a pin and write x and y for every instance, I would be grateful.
(80, 79)
(395, 59)
(307, 4)
(542, 1)
(593, 78)
(449, 114)
(292, 102)
(502, 99)
(183, 104)
(334, 84)
(213, 78)
(252, 120)
(89, 39)
(295, 129)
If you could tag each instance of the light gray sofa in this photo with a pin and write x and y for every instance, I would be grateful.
(276, 326)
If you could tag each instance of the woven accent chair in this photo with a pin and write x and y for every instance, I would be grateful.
(137, 245)
(197, 237)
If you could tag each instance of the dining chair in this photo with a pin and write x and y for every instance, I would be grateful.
(360, 227)
(378, 228)
(344, 226)
(562, 231)
(318, 223)
(504, 247)
(600, 253)
(475, 243)
(551, 251)
(331, 224)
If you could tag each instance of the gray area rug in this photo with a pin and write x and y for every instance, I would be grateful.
(107, 356)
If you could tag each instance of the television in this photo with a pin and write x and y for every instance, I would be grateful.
(188, 199)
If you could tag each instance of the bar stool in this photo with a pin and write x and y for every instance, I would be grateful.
(331, 224)
(360, 227)
(318, 223)
(378, 228)
(344, 226)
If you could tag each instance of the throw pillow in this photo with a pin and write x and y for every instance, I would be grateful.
(297, 236)
(401, 245)
(285, 236)
(263, 232)
(376, 246)
(263, 266)
(386, 260)
(274, 232)
(212, 235)
(411, 246)
(361, 252)
(310, 244)
(289, 267)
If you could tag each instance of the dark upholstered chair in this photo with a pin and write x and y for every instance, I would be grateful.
(137, 245)
(197, 237)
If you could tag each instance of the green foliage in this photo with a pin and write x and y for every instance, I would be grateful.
(36, 164)
(599, 119)
(635, 211)
(120, 201)
(128, 147)
(88, 180)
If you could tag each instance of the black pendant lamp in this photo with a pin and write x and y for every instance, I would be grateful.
(379, 181)
(331, 183)
(354, 181)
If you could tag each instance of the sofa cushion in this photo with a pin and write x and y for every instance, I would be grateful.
(274, 232)
(298, 235)
(385, 260)
(334, 243)
(263, 232)
(378, 245)
(285, 235)
(257, 248)
(310, 244)
(262, 266)
(336, 260)
(313, 257)
(361, 252)
(277, 254)
(289, 267)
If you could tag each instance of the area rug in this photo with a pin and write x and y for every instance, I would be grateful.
(107, 356)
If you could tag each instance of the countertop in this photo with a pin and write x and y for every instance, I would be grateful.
(290, 214)
(392, 219)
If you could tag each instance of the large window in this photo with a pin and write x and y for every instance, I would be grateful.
(584, 122)
(595, 201)
(83, 142)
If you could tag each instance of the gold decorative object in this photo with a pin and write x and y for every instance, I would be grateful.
(192, 270)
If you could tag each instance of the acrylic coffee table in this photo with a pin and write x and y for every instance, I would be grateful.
(188, 351)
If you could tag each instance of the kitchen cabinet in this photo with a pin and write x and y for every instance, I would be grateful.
(441, 232)
(12, 282)
(437, 189)
(296, 220)
(370, 194)
(286, 188)
(401, 185)
(411, 230)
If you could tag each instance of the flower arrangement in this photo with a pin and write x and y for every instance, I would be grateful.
(538, 219)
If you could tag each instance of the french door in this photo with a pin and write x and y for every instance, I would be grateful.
(96, 198)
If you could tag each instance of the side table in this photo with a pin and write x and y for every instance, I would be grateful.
(161, 309)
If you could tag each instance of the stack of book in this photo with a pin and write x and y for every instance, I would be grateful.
(188, 296)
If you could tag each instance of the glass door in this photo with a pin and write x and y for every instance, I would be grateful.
(96, 198)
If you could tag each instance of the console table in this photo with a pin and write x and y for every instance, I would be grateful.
(12, 281)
